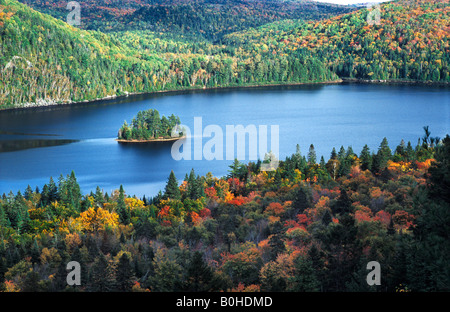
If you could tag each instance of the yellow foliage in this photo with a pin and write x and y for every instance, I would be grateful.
(50, 256)
(72, 240)
(133, 203)
(93, 220)
(9, 286)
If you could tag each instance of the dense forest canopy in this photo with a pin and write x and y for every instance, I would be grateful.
(308, 226)
(198, 19)
(63, 64)
(148, 125)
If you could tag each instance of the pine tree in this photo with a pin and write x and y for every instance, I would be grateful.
(124, 274)
(312, 158)
(322, 162)
(122, 210)
(28, 193)
(52, 191)
(333, 154)
(384, 154)
(302, 199)
(99, 198)
(410, 153)
(102, 277)
(343, 204)
(193, 187)
(199, 275)
(342, 153)
(172, 190)
(305, 278)
(366, 158)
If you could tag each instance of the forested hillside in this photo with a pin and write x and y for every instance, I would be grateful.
(171, 51)
(411, 41)
(60, 63)
(199, 19)
(308, 226)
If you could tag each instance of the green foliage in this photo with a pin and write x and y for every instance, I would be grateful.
(149, 125)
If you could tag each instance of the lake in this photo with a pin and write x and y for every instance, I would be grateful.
(42, 142)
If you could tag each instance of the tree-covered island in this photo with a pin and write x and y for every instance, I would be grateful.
(148, 126)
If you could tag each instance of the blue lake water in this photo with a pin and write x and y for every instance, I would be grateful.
(38, 143)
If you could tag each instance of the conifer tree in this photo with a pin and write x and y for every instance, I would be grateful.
(122, 210)
(124, 274)
(172, 189)
(312, 158)
(366, 158)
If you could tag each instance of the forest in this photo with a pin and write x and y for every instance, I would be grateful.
(174, 50)
(198, 19)
(148, 125)
(311, 225)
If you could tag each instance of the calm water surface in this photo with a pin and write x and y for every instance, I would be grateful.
(38, 143)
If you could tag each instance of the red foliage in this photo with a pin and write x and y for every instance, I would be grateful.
(205, 213)
(403, 220)
(211, 193)
(383, 216)
(303, 219)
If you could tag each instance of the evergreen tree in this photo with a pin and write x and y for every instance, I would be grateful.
(333, 154)
(198, 274)
(237, 170)
(384, 154)
(172, 190)
(302, 199)
(343, 204)
(124, 274)
(28, 193)
(312, 158)
(122, 210)
(102, 275)
(99, 198)
(341, 154)
(366, 158)
(305, 279)
(429, 267)
(409, 153)
(322, 162)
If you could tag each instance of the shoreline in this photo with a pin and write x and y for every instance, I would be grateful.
(343, 80)
(395, 81)
(150, 141)
(171, 91)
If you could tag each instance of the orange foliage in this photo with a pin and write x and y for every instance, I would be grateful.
(9, 286)
(424, 165)
(363, 213)
(275, 209)
(164, 213)
(211, 193)
(195, 217)
(250, 288)
(402, 220)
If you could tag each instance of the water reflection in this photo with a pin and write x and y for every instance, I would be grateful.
(18, 145)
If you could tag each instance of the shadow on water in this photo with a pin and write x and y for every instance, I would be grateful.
(18, 145)
(148, 148)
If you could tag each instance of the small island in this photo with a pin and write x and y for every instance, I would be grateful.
(148, 126)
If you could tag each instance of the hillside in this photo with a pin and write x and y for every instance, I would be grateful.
(201, 19)
(411, 41)
(293, 230)
(61, 63)
(48, 61)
